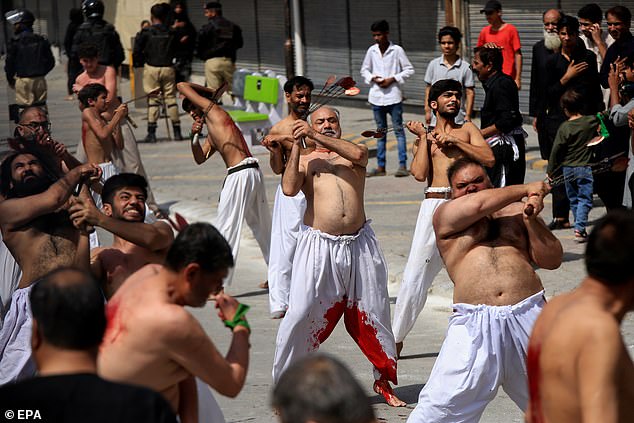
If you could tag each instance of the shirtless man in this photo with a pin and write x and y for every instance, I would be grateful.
(242, 196)
(128, 159)
(287, 211)
(135, 243)
(99, 136)
(489, 240)
(446, 143)
(338, 267)
(579, 368)
(38, 232)
(151, 340)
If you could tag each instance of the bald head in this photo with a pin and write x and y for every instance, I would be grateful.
(550, 19)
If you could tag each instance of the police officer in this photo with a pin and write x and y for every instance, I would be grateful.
(29, 59)
(218, 42)
(155, 46)
(99, 32)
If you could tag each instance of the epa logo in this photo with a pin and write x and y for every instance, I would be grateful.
(23, 415)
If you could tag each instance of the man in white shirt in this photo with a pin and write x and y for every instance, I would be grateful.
(450, 66)
(595, 40)
(385, 68)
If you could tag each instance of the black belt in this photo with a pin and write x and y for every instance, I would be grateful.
(242, 167)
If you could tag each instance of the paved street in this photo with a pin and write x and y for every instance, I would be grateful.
(392, 203)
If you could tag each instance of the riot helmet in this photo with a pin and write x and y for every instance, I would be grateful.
(20, 16)
(93, 9)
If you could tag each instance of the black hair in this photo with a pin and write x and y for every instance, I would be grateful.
(199, 243)
(380, 26)
(88, 50)
(442, 86)
(68, 307)
(160, 11)
(452, 31)
(610, 250)
(571, 102)
(91, 92)
(490, 56)
(320, 388)
(297, 81)
(622, 13)
(570, 23)
(120, 181)
(214, 5)
(591, 12)
(51, 171)
(460, 164)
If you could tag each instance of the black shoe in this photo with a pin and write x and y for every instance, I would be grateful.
(151, 133)
(559, 224)
(177, 133)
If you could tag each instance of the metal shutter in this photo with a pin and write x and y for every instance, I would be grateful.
(326, 43)
(527, 18)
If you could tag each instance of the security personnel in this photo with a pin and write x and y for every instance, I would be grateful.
(155, 46)
(29, 59)
(218, 42)
(97, 31)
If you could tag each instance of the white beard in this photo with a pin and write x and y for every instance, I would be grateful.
(552, 41)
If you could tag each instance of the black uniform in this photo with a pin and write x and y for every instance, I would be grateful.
(219, 38)
(106, 38)
(28, 56)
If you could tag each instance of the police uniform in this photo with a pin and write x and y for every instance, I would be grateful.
(29, 59)
(218, 42)
(104, 35)
(155, 47)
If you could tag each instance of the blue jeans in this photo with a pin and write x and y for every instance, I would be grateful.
(380, 117)
(579, 190)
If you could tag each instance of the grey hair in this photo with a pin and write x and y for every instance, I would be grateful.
(337, 113)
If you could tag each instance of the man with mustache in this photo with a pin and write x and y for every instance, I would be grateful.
(338, 267)
(287, 211)
(491, 243)
(433, 153)
(38, 232)
(135, 243)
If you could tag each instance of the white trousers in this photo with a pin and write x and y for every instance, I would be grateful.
(485, 348)
(288, 213)
(243, 197)
(334, 276)
(423, 264)
(15, 339)
(208, 409)
(9, 278)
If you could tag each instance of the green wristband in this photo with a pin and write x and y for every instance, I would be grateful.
(238, 319)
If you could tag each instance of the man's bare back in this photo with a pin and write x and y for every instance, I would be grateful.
(333, 185)
(561, 359)
(223, 134)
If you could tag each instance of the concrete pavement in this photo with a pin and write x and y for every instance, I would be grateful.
(393, 205)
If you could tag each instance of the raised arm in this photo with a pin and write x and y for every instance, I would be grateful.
(104, 131)
(201, 152)
(192, 348)
(189, 91)
(294, 175)
(356, 153)
(421, 164)
(16, 212)
(155, 236)
(276, 144)
(544, 248)
(457, 215)
(476, 147)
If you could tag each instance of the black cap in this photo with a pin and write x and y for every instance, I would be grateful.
(213, 5)
(491, 6)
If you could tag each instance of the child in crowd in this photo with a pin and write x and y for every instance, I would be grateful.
(571, 153)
